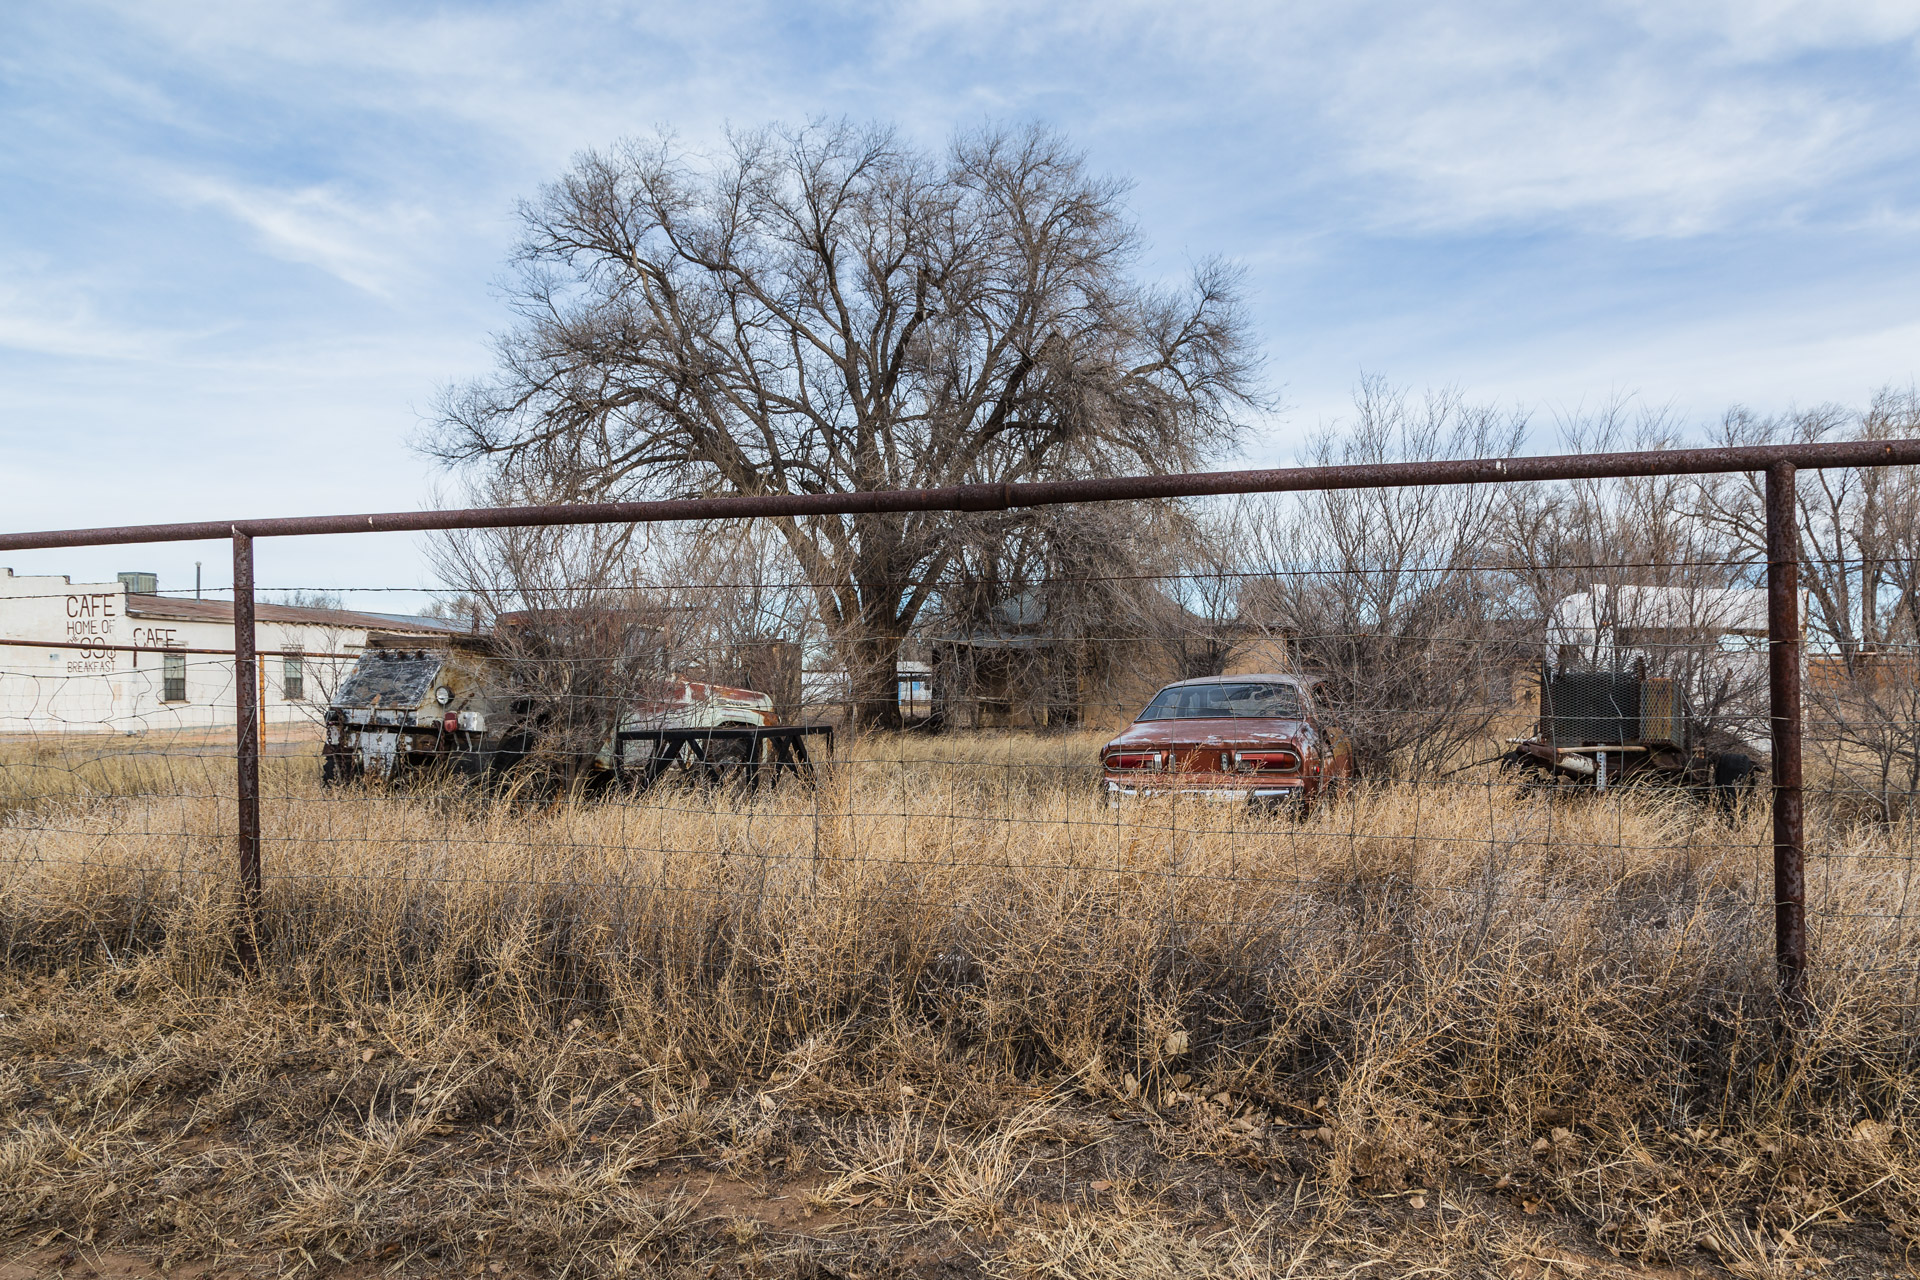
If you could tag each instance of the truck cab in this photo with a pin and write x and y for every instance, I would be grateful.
(413, 703)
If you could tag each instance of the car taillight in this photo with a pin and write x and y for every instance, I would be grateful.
(1266, 761)
(1134, 760)
(451, 722)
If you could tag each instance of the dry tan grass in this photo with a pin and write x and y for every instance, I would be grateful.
(36, 769)
(961, 1014)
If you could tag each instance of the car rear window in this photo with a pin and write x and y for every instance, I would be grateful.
(1253, 701)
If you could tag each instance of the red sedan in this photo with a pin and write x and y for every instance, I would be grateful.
(1253, 738)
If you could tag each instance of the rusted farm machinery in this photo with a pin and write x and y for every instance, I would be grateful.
(1601, 729)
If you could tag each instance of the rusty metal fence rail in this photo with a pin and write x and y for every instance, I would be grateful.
(1784, 626)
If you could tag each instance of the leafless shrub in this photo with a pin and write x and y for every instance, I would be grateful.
(1636, 576)
(1859, 534)
(1051, 607)
(575, 638)
(1385, 591)
(741, 611)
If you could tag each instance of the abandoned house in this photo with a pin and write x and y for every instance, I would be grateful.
(1017, 668)
(118, 657)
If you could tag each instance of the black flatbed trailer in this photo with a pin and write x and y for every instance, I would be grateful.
(771, 752)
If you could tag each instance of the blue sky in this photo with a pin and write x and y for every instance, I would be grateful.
(241, 245)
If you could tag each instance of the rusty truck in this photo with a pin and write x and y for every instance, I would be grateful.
(445, 704)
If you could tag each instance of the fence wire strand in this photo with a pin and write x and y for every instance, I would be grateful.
(1407, 784)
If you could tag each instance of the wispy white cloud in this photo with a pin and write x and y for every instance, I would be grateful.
(51, 313)
(369, 248)
(1536, 201)
(1633, 118)
(1504, 120)
(1758, 31)
(1636, 155)
(524, 78)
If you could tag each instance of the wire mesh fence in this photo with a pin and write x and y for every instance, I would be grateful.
(1233, 733)
(1542, 832)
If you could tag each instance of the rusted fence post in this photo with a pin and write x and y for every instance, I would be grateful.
(246, 706)
(1783, 688)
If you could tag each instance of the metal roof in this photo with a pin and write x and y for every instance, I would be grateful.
(415, 621)
(221, 611)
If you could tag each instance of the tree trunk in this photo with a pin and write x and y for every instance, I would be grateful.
(874, 682)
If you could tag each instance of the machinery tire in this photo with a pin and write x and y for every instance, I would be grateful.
(504, 771)
(1732, 776)
(726, 763)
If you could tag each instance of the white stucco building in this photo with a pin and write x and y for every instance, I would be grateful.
(1610, 626)
(105, 657)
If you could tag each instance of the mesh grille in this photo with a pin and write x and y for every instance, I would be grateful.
(1662, 713)
(1591, 707)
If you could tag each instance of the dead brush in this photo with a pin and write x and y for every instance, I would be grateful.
(477, 1027)
(915, 1163)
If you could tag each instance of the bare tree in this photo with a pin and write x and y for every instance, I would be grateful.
(1633, 576)
(741, 608)
(460, 607)
(1837, 507)
(1046, 606)
(307, 599)
(829, 309)
(1211, 613)
(578, 640)
(1859, 533)
(1890, 568)
(1385, 590)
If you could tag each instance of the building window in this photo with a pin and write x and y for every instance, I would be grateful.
(293, 679)
(173, 677)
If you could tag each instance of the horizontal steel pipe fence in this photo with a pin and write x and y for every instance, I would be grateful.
(1001, 497)
(1778, 464)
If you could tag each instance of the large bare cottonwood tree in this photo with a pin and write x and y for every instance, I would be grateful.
(829, 309)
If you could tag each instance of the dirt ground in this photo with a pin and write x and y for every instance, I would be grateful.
(308, 1165)
(782, 1227)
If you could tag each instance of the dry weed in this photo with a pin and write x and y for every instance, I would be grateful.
(957, 1006)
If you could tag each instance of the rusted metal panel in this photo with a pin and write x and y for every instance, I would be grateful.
(1663, 712)
(390, 679)
(999, 497)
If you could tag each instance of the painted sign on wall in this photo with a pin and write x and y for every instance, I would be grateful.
(90, 622)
